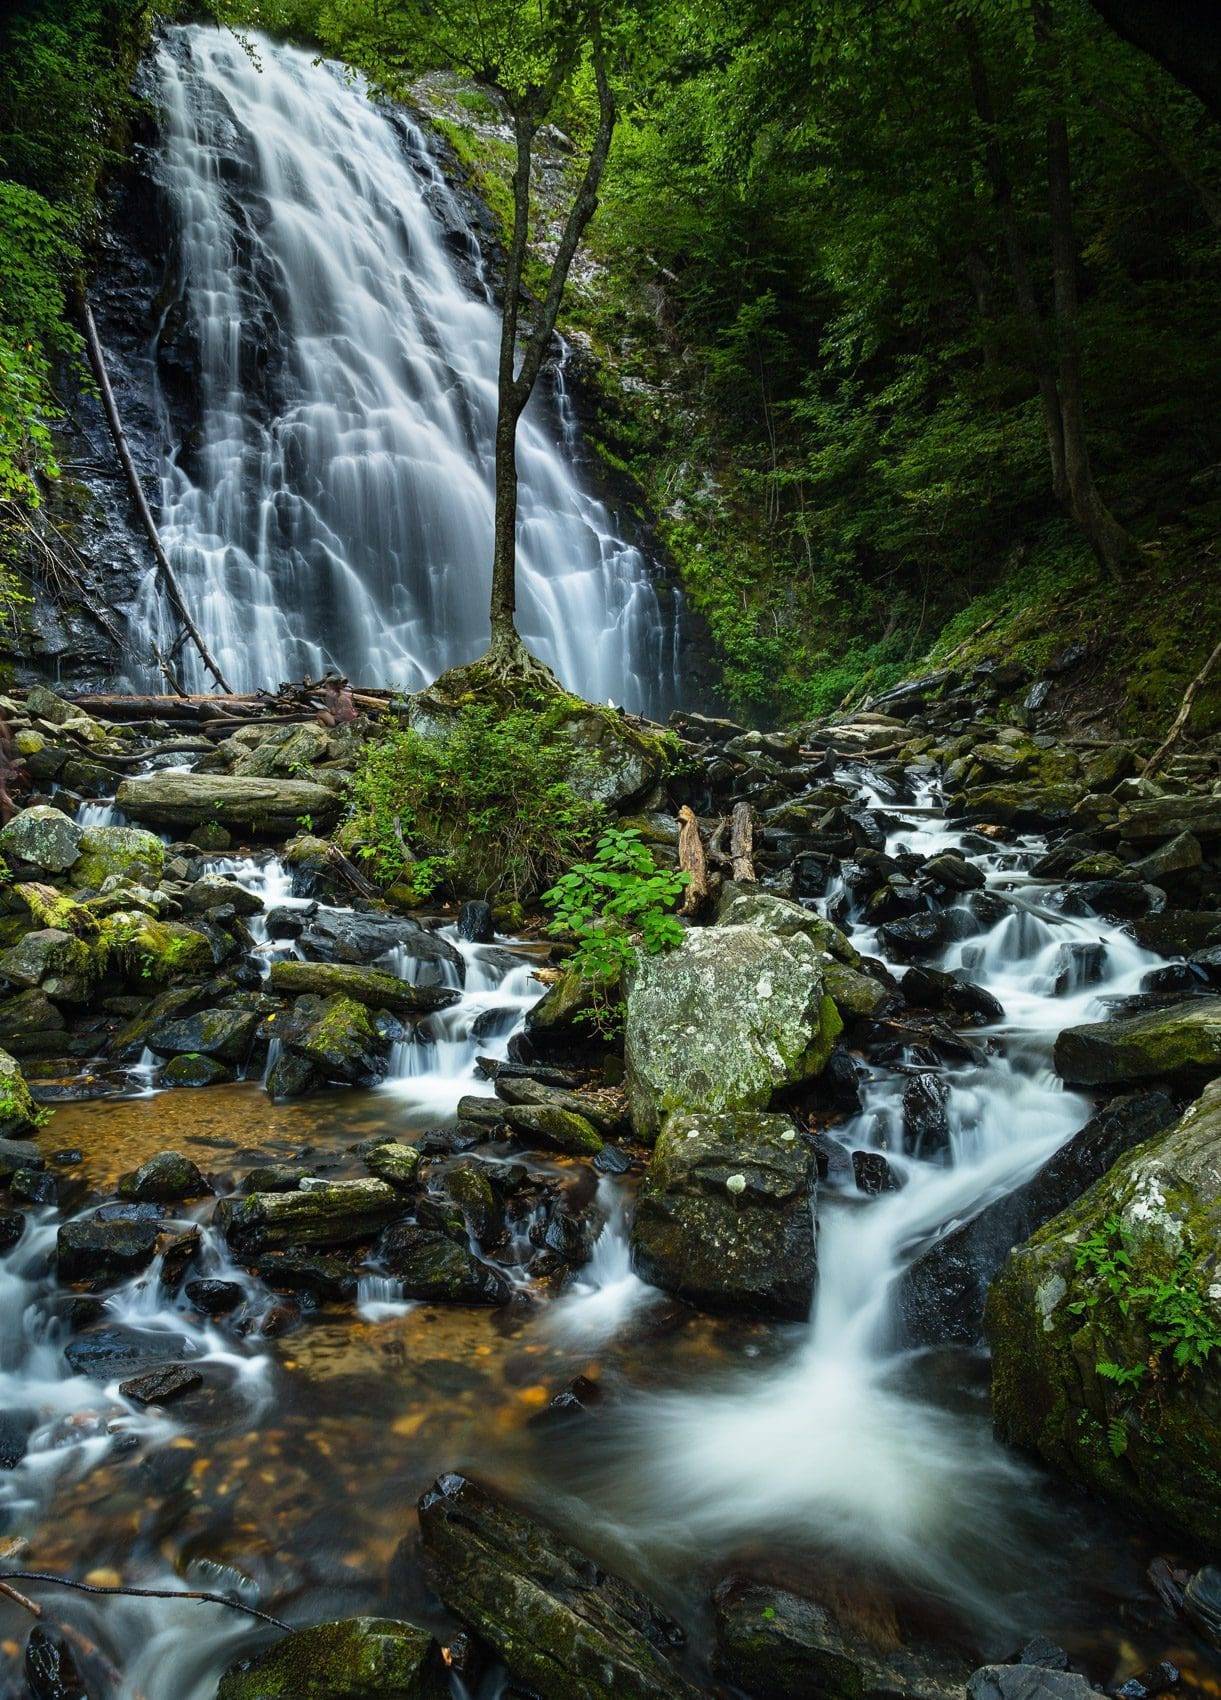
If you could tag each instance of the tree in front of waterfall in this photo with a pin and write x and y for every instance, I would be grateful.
(540, 60)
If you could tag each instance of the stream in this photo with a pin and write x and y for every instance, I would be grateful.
(830, 1450)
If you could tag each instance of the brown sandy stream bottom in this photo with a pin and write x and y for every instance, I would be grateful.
(297, 1484)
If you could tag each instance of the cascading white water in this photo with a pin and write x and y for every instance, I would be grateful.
(836, 1448)
(336, 509)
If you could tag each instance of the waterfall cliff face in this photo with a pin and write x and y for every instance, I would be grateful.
(334, 506)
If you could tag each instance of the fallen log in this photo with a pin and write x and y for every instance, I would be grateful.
(692, 861)
(1158, 759)
(97, 361)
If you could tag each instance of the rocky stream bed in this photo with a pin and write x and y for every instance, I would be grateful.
(795, 1342)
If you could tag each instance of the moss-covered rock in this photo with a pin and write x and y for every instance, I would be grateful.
(152, 952)
(553, 1127)
(723, 1022)
(43, 837)
(126, 851)
(1149, 820)
(1034, 806)
(1182, 1044)
(560, 1017)
(725, 1215)
(358, 1658)
(432, 1266)
(563, 1625)
(192, 1069)
(1084, 1360)
(18, 1112)
(394, 1163)
(58, 962)
(770, 914)
(30, 1024)
(337, 1038)
(372, 987)
(164, 1179)
(226, 1034)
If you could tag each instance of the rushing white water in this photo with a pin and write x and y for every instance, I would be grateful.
(336, 509)
(836, 1448)
(607, 1294)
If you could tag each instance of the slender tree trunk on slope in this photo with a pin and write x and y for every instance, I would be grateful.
(1109, 540)
(1033, 327)
(515, 385)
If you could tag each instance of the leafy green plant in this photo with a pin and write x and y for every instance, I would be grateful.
(615, 904)
(1169, 1309)
(486, 804)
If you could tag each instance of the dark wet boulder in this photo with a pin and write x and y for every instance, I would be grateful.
(552, 1127)
(951, 870)
(926, 1124)
(1177, 932)
(1028, 1682)
(89, 1250)
(372, 987)
(17, 1155)
(930, 988)
(326, 1213)
(873, 1174)
(51, 1670)
(564, 1626)
(916, 937)
(336, 1037)
(164, 1179)
(776, 1645)
(1154, 820)
(114, 1353)
(357, 1658)
(214, 1298)
(12, 1226)
(1180, 1044)
(1079, 963)
(289, 1076)
(226, 1034)
(1172, 865)
(191, 1069)
(475, 922)
(160, 1386)
(431, 1266)
(940, 1297)
(30, 1025)
(725, 1214)
(356, 936)
(1084, 1364)
(325, 1276)
(605, 1110)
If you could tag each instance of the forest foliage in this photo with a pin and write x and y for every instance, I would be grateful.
(818, 365)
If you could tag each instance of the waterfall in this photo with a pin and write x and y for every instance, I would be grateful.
(334, 507)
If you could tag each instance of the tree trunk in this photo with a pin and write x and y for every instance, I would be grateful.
(692, 860)
(514, 387)
(1160, 756)
(742, 843)
(1109, 540)
(1034, 329)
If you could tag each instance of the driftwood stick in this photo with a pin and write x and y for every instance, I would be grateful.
(97, 361)
(692, 861)
(742, 843)
(1158, 759)
(8, 1576)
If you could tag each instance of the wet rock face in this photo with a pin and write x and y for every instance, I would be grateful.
(432, 1266)
(776, 1645)
(725, 1215)
(92, 1250)
(1151, 1437)
(564, 1626)
(1181, 1044)
(370, 986)
(941, 1295)
(723, 1022)
(163, 1179)
(358, 1658)
(336, 1039)
(44, 837)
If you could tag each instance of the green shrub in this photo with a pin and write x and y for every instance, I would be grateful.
(486, 806)
(615, 904)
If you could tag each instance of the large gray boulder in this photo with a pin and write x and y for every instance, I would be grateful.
(563, 1625)
(724, 1022)
(1181, 1044)
(725, 1217)
(44, 837)
(1100, 1328)
(185, 800)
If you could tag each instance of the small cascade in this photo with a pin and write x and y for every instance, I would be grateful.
(607, 1294)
